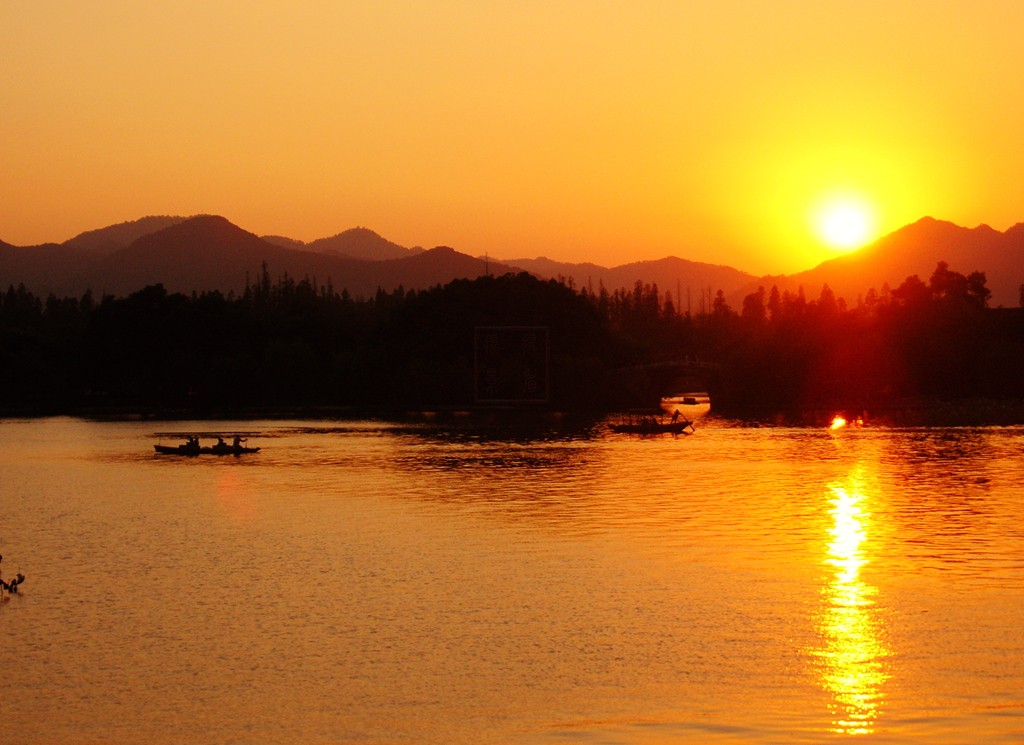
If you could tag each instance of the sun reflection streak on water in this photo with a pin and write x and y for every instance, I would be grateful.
(852, 655)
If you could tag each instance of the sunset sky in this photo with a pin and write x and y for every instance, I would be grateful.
(713, 130)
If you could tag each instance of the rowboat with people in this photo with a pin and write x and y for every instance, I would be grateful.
(644, 422)
(192, 446)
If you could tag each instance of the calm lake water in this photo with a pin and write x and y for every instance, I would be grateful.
(370, 582)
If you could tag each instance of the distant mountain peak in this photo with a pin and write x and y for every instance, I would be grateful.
(205, 220)
(214, 226)
(360, 243)
(359, 230)
(916, 249)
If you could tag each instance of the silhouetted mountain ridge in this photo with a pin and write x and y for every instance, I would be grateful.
(361, 243)
(211, 253)
(208, 252)
(690, 283)
(356, 243)
(916, 249)
(201, 253)
(107, 240)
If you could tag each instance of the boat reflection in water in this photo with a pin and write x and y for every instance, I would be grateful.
(851, 656)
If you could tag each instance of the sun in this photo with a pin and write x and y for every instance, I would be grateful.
(844, 223)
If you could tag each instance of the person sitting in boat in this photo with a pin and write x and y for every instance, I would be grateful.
(237, 442)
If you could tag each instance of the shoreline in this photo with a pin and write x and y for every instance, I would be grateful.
(973, 412)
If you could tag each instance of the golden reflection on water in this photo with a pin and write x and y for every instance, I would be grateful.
(852, 655)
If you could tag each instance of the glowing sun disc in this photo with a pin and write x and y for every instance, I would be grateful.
(845, 224)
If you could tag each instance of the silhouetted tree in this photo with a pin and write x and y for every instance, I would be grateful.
(826, 304)
(774, 303)
(720, 308)
(754, 310)
(912, 292)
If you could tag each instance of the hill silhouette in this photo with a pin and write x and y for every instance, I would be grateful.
(109, 239)
(47, 268)
(689, 282)
(209, 253)
(201, 253)
(916, 249)
(361, 243)
(355, 243)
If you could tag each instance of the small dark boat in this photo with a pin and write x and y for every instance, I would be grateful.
(205, 450)
(686, 399)
(645, 423)
(192, 447)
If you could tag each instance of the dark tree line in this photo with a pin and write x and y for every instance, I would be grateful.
(923, 341)
(284, 343)
(290, 343)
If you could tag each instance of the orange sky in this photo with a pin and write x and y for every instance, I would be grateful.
(577, 129)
